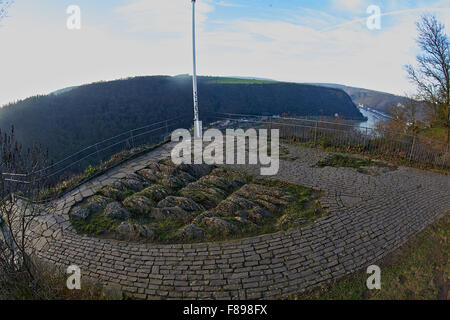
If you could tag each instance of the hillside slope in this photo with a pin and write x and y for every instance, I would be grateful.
(73, 119)
(380, 101)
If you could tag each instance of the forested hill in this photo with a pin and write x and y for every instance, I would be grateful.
(377, 100)
(80, 116)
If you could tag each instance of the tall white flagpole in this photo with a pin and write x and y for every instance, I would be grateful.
(197, 133)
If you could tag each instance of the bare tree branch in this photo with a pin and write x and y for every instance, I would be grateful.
(432, 75)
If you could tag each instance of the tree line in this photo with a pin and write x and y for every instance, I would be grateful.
(68, 121)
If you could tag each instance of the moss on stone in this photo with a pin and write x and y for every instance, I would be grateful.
(96, 224)
(239, 205)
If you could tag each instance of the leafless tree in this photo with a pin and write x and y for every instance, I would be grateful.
(21, 187)
(432, 74)
(403, 116)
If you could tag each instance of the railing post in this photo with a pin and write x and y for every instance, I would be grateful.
(132, 139)
(315, 132)
(98, 155)
(444, 157)
(412, 148)
(270, 127)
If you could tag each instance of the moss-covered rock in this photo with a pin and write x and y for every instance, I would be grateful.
(80, 213)
(174, 213)
(98, 203)
(207, 214)
(267, 205)
(191, 232)
(180, 202)
(138, 204)
(169, 203)
(149, 174)
(115, 210)
(160, 169)
(155, 192)
(129, 232)
(173, 182)
(201, 196)
(259, 191)
(185, 177)
(237, 178)
(255, 215)
(214, 191)
(125, 231)
(219, 226)
(234, 204)
(219, 182)
(113, 193)
(131, 182)
(244, 221)
(196, 170)
(93, 205)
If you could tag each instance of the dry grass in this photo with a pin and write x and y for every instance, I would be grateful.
(417, 271)
(48, 283)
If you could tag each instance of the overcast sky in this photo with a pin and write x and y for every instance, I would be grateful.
(289, 40)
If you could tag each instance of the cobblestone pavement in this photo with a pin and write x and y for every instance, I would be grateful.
(370, 216)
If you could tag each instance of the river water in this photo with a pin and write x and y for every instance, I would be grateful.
(373, 117)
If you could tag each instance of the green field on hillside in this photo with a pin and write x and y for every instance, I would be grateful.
(221, 80)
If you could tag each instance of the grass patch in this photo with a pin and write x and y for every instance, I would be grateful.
(303, 210)
(49, 283)
(378, 153)
(96, 224)
(240, 81)
(434, 133)
(166, 230)
(417, 271)
(337, 160)
(285, 154)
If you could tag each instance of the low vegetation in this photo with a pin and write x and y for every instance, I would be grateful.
(418, 271)
(49, 283)
(362, 165)
(68, 183)
(378, 149)
(165, 203)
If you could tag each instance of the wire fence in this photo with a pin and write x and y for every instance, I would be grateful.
(70, 172)
(347, 137)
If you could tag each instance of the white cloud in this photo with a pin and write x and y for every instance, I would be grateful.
(166, 17)
(228, 4)
(350, 5)
(51, 57)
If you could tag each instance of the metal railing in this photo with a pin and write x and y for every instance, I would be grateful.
(72, 171)
(76, 169)
(348, 137)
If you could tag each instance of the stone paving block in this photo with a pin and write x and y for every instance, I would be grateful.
(369, 216)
